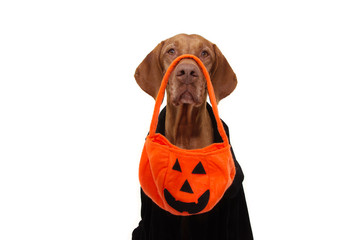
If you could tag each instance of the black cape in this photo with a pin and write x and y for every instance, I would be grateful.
(228, 220)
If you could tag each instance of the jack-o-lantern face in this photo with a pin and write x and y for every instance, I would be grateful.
(188, 190)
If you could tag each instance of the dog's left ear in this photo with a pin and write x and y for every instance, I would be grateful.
(149, 74)
(223, 77)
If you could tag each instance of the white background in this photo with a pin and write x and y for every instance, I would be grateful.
(73, 120)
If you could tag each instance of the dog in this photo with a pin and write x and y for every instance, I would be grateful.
(188, 123)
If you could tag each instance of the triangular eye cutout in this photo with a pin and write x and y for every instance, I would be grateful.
(199, 169)
(186, 187)
(176, 166)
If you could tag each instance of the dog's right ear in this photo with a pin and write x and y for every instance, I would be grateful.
(149, 73)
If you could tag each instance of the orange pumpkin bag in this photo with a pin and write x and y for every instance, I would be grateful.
(185, 182)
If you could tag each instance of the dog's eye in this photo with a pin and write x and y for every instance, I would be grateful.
(171, 51)
(204, 54)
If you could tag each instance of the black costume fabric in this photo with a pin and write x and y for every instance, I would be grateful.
(228, 220)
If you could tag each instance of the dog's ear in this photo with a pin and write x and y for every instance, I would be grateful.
(223, 77)
(149, 73)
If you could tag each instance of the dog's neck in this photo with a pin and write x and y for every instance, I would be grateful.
(188, 126)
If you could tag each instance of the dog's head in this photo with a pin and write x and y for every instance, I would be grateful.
(187, 83)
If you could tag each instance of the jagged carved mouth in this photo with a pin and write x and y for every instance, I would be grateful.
(191, 207)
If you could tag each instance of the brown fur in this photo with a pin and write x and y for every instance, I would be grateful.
(187, 123)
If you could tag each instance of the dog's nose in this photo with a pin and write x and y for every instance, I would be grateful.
(187, 72)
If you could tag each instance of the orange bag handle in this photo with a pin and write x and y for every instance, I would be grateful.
(210, 88)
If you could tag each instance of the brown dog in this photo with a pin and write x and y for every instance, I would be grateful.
(189, 124)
